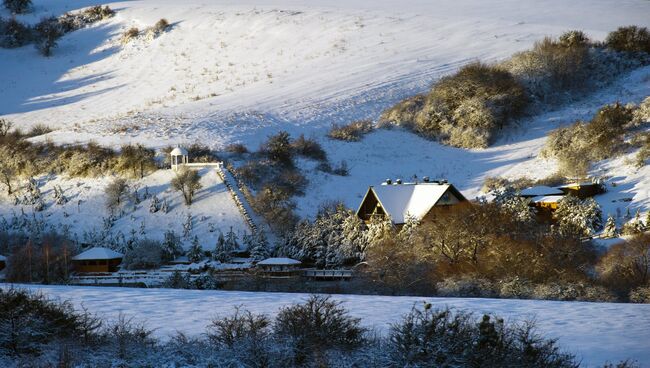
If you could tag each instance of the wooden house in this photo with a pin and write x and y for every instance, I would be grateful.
(582, 190)
(279, 267)
(97, 259)
(400, 200)
(3, 262)
(545, 206)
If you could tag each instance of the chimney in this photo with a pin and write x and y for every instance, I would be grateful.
(398, 181)
(389, 182)
(425, 179)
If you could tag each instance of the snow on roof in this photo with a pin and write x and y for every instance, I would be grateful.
(402, 200)
(548, 199)
(577, 184)
(540, 190)
(98, 253)
(179, 151)
(2, 258)
(279, 261)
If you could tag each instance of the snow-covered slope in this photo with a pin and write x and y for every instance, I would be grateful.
(213, 209)
(596, 332)
(237, 71)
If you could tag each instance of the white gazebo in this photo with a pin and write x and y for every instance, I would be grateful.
(179, 157)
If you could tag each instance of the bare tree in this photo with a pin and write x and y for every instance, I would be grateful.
(115, 193)
(187, 182)
(8, 168)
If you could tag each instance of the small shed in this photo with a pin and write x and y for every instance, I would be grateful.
(98, 259)
(582, 190)
(279, 267)
(540, 190)
(3, 262)
(179, 157)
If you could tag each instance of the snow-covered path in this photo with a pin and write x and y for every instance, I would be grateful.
(596, 332)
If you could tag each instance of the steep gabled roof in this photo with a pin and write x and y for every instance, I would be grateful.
(98, 253)
(401, 200)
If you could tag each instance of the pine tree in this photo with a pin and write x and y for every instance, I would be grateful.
(610, 230)
(221, 252)
(195, 254)
(260, 246)
(155, 205)
(165, 206)
(638, 224)
(232, 240)
(171, 246)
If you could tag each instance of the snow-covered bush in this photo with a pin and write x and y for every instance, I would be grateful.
(629, 39)
(582, 215)
(515, 287)
(17, 6)
(312, 328)
(278, 149)
(146, 254)
(640, 295)
(466, 286)
(14, 34)
(130, 34)
(352, 132)
(464, 109)
(572, 291)
(236, 148)
(159, 28)
(195, 253)
(47, 32)
(428, 337)
(309, 147)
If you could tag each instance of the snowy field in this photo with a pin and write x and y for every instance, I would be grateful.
(596, 332)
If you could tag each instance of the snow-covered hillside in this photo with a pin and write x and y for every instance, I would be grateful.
(237, 71)
(596, 332)
(85, 212)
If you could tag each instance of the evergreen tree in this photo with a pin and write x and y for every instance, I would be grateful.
(165, 206)
(610, 230)
(221, 252)
(155, 205)
(171, 246)
(573, 213)
(260, 249)
(232, 240)
(195, 254)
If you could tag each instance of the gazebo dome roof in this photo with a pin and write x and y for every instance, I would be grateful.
(178, 151)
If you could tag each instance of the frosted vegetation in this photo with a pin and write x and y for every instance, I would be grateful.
(318, 332)
(468, 108)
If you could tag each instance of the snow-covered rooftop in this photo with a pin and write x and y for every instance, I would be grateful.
(179, 151)
(2, 258)
(401, 200)
(98, 253)
(540, 190)
(547, 199)
(278, 261)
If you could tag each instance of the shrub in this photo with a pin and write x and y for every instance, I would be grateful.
(553, 67)
(430, 337)
(515, 287)
(187, 182)
(237, 148)
(17, 6)
(278, 149)
(317, 325)
(130, 34)
(38, 129)
(29, 322)
(276, 207)
(97, 13)
(626, 265)
(464, 109)
(135, 161)
(629, 39)
(14, 34)
(146, 254)
(48, 31)
(309, 147)
(161, 26)
(201, 153)
(466, 286)
(640, 295)
(352, 132)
